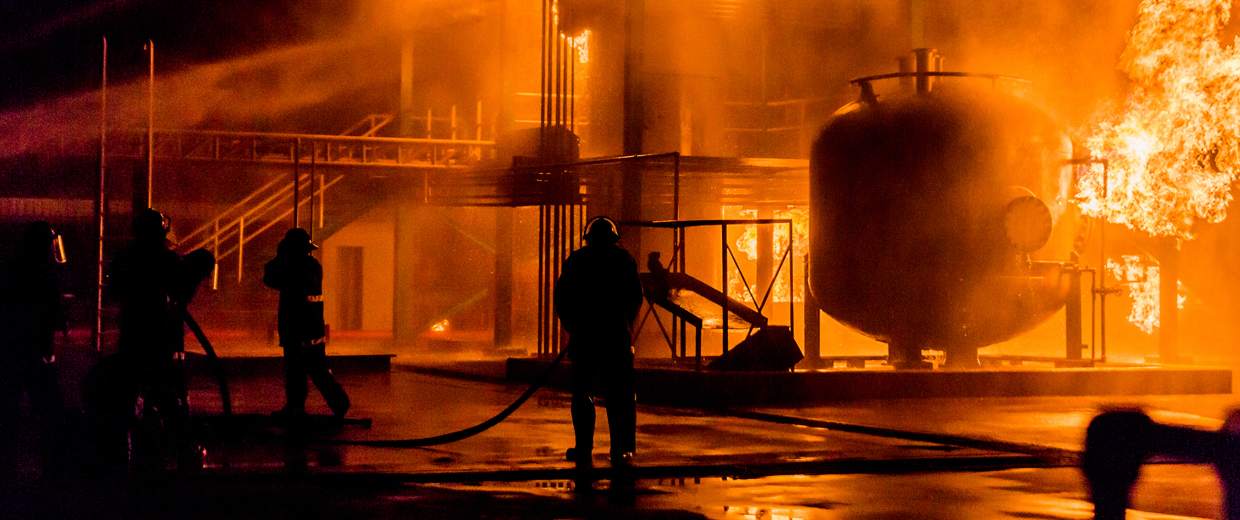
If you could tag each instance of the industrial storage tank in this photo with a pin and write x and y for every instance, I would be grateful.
(940, 215)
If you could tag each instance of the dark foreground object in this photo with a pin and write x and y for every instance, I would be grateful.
(657, 385)
(1118, 443)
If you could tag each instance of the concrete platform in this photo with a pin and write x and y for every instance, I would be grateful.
(678, 387)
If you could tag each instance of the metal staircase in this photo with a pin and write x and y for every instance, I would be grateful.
(228, 232)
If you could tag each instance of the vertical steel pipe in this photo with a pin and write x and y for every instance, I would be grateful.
(101, 207)
(723, 284)
(150, 126)
(572, 89)
(296, 179)
(542, 277)
(791, 256)
(556, 61)
(557, 245)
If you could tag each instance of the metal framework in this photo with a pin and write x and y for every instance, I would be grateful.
(677, 265)
(281, 148)
(565, 194)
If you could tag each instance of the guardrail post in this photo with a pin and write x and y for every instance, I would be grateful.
(240, 246)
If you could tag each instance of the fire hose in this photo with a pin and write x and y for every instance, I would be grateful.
(222, 379)
(218, 366)
(467, 432)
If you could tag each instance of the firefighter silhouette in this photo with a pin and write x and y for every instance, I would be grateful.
(299, 278)
(153, 285)
(597, 297)
(30, 315)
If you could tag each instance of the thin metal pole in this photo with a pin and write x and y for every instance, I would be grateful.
(314, 150)
(296, 179)
(542, 78)
(101, 204)
(453, 122)
(723, 286)
(791, 287)
(542, 277)
(558, 67)
(564, 82)
(557, 245)
(150, 126)
(240, 246)
(676, 186)
(572, 90)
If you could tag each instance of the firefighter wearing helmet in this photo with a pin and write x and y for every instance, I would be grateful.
(153, 286)
(299, 278)
(31, 313)
(597, 297)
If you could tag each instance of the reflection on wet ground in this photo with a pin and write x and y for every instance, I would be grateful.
(928, 458)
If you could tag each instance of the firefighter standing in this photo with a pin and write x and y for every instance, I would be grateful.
(30, 314)
(299, 278)
(152, 286)
(597, 297)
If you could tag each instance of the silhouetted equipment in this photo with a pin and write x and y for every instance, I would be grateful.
(771, 349)
(933, 212)
(696, 303)
(1117, 443)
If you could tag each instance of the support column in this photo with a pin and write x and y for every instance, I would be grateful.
(1168, 301)
(813, 326)
(503, 277)
(1072, 312)
(765, 245)
(405, 240)
(406, 86)
(634, 118)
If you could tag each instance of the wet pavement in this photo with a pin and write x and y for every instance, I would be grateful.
(911, 458)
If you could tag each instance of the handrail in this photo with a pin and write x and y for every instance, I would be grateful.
(280, 217)
(325, 137)
(234, 207)
(250, 213)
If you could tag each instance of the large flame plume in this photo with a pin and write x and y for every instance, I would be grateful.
(1173, 149)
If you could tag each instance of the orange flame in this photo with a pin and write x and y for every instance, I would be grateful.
(1142, 281)
(747, 243)
(1173, 150)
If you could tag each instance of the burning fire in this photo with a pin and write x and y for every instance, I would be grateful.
(1142, 281)
(747, 243)
(1173, 150)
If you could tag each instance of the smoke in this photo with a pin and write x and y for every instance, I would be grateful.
(345, 60)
